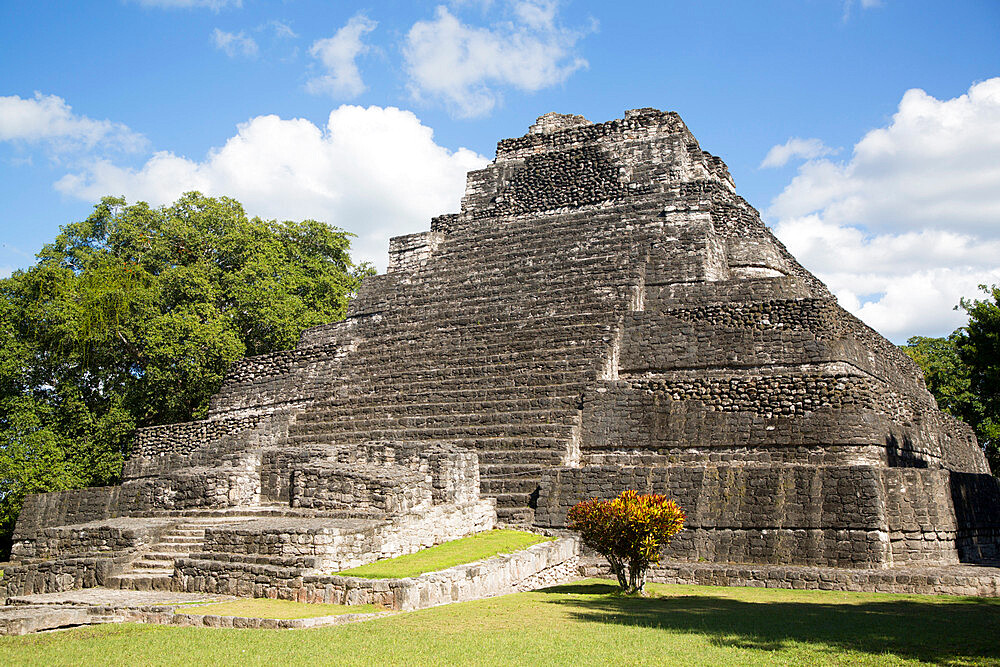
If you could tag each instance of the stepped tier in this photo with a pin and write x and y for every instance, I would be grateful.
(605, 312)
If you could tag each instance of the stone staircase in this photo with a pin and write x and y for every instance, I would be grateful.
(155, 569)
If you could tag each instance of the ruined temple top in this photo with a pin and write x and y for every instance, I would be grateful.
(566, 162)
(553, 122)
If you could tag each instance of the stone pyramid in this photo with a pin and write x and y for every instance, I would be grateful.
(604, 313)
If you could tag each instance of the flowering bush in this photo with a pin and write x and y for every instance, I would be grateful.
(630, 531)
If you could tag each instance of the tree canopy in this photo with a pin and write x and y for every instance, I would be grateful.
(962, 371)
(131, 318)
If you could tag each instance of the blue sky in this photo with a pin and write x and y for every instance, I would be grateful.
(867, 132)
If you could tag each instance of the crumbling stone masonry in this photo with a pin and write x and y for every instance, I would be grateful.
(605, 312)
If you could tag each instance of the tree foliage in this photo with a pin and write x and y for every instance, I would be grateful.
(962, 371)
(131, 318)
(630, 531)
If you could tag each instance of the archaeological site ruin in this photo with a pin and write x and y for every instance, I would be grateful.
(605, 312)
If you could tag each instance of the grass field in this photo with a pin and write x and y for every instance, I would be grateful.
(268, 608)
(457, 552)
(577, 624)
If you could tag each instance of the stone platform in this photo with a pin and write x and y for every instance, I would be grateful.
(91, 606)
(544, 564)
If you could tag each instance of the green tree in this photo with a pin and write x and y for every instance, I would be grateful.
(962, 371)
(979, 349)
(131, 318)
(630, 531)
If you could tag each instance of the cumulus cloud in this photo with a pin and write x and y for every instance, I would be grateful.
(214, 5)
(48, 119)
(376, 172)
(465, 66)
(338, 55)
(795, 147)
(234, 44)
(911, 222)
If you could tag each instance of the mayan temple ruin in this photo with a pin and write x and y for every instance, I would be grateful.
(604, 313)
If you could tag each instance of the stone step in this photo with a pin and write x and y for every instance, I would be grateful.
(531, 261)
(176, 547)
(513, 471)
(359, 430)
(499, 336)
(546, 377)
(491, 487)
(146, 562)
(519, 516)
(151, 571)
(496, 269)
(508, 423)
(165, 555)
(460, 404)
(512, 499)
(140, 582)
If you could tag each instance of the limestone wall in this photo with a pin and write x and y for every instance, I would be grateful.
(341, 544)
(844, 516)
(61, 508)
(826, 515)
(30, 576)
(495, 576)
(110, 536)
(976, 499)
(386, 489)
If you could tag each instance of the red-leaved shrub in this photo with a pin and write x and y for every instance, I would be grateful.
(630, 531)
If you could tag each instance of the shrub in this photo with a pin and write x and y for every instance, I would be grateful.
(630, 531)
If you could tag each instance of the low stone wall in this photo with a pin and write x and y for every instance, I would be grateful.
(342, 544)
(308, 476)
(390, 489)
(55, 576)
(944, 580)
(495, 576)
(60, 508)
(109, 536)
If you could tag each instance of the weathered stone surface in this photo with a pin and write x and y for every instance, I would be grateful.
(604, 312)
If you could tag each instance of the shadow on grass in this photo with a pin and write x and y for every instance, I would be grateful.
(942, 631)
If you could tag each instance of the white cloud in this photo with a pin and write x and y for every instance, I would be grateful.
(376, 172)
(214, 5)
(48, 119)
(795, 147)
(338, 54)
(911, 222)
(234, 44)
(937, 163)
(282, 30)
(465, 66)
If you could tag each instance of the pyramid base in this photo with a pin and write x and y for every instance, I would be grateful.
(974, 580)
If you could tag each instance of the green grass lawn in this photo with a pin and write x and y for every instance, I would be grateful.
(457, 552)
(267, 608)
(578, 624)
